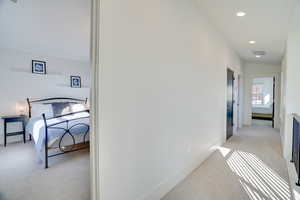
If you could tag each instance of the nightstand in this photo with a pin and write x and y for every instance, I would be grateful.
(13, 119)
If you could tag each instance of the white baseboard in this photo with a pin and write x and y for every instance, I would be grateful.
(167, 185)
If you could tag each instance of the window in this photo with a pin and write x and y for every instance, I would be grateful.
(257, 94)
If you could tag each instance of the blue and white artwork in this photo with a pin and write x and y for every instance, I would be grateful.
(38, 67)
(75, 82)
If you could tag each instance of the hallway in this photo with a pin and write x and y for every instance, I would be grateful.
(248, 166)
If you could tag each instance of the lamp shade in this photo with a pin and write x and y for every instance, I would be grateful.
(21, 108)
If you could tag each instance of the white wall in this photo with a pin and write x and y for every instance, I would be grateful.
(240, 99)
(56, 28)
(18, 83)
(163, 95)
(291, 96)
(254, 70)
(292, 71)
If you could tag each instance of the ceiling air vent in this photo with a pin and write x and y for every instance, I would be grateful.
(259, 53)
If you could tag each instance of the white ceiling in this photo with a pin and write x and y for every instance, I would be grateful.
(59, 28)
(266, 22)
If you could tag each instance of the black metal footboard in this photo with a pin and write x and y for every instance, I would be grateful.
(69, 127)
(296, 145)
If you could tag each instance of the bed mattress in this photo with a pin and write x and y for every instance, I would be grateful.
(78, 125)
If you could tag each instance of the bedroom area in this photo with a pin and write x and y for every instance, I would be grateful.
(263, 91)
(45, 83)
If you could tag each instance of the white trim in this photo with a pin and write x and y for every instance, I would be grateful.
(95, 97)
(236, 112)
(247, 101)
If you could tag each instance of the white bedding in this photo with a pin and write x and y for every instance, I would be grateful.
(36, 127)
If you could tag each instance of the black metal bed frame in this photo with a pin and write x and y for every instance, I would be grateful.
(67, 130)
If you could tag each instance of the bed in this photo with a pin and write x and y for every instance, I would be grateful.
(263, 116)
(263, 113)
(58, 126)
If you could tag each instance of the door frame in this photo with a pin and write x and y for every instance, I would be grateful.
(274, 93)
(238, 101)
(233, 101)
(274, 76)
(95, 98)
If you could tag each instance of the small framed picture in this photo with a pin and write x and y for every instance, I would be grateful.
(38, 67)
(75, 82)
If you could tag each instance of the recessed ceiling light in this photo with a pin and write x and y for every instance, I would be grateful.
(240, 14)
(252, 42)
(258, 56)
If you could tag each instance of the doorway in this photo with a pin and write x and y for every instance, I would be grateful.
(263, 101)
(238, 102)
(230, 103)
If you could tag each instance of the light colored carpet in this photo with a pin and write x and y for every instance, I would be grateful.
(22, 178)
(249, 166)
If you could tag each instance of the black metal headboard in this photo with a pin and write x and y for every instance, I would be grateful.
(30, 102)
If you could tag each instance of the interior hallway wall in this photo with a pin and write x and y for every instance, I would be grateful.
(239, 99)
(163, 95)
(291, 78)
(254, 70)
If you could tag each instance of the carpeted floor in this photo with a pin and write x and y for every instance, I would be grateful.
(22, 178)
(249, 166)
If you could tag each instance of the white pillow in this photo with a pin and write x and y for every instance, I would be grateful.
(77, 107)
(38, 109)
